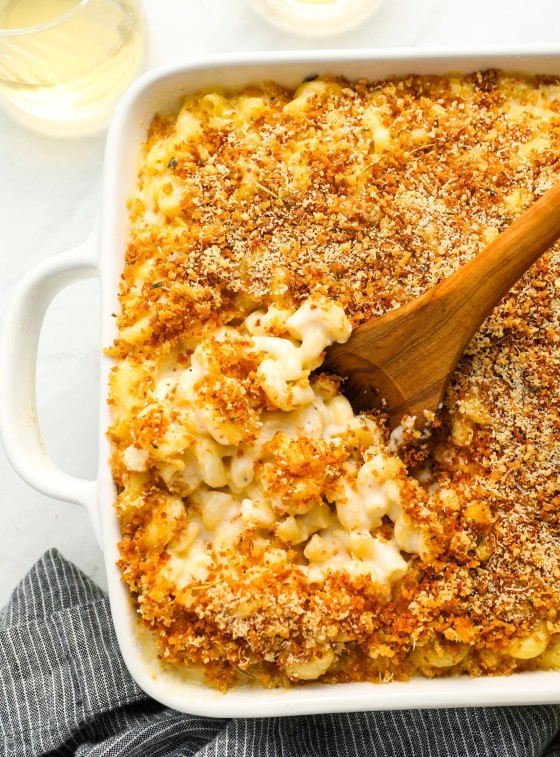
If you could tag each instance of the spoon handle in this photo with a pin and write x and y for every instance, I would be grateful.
(479, 285)
(409, 353)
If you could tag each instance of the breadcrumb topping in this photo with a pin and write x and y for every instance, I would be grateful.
(366, 193)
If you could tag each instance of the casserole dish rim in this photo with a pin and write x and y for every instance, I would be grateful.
(147, 95)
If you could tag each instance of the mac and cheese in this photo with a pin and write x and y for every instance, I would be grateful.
(268, 532)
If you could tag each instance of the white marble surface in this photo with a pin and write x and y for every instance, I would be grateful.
(49, 194)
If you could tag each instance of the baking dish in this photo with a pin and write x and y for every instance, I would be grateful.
(159, 91)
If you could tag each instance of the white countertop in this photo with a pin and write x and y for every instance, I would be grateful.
(49, 194)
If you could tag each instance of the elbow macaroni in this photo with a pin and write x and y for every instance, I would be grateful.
(245, 469)
(229, 469)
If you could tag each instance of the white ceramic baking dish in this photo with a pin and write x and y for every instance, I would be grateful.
(159, 90)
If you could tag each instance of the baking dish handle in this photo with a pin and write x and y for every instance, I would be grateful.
(19, 341)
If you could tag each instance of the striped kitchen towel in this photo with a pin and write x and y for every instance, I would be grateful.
(64, 690)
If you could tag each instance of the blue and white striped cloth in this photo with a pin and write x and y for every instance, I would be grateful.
(64, 690)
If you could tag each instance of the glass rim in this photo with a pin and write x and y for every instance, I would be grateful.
(56, 21)
(311, 3)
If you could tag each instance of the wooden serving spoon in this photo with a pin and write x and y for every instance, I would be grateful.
(406, 356)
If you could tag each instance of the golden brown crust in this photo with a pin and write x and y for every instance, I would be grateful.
(370, 213)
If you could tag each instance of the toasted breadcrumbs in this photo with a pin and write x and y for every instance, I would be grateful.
(369, 195)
